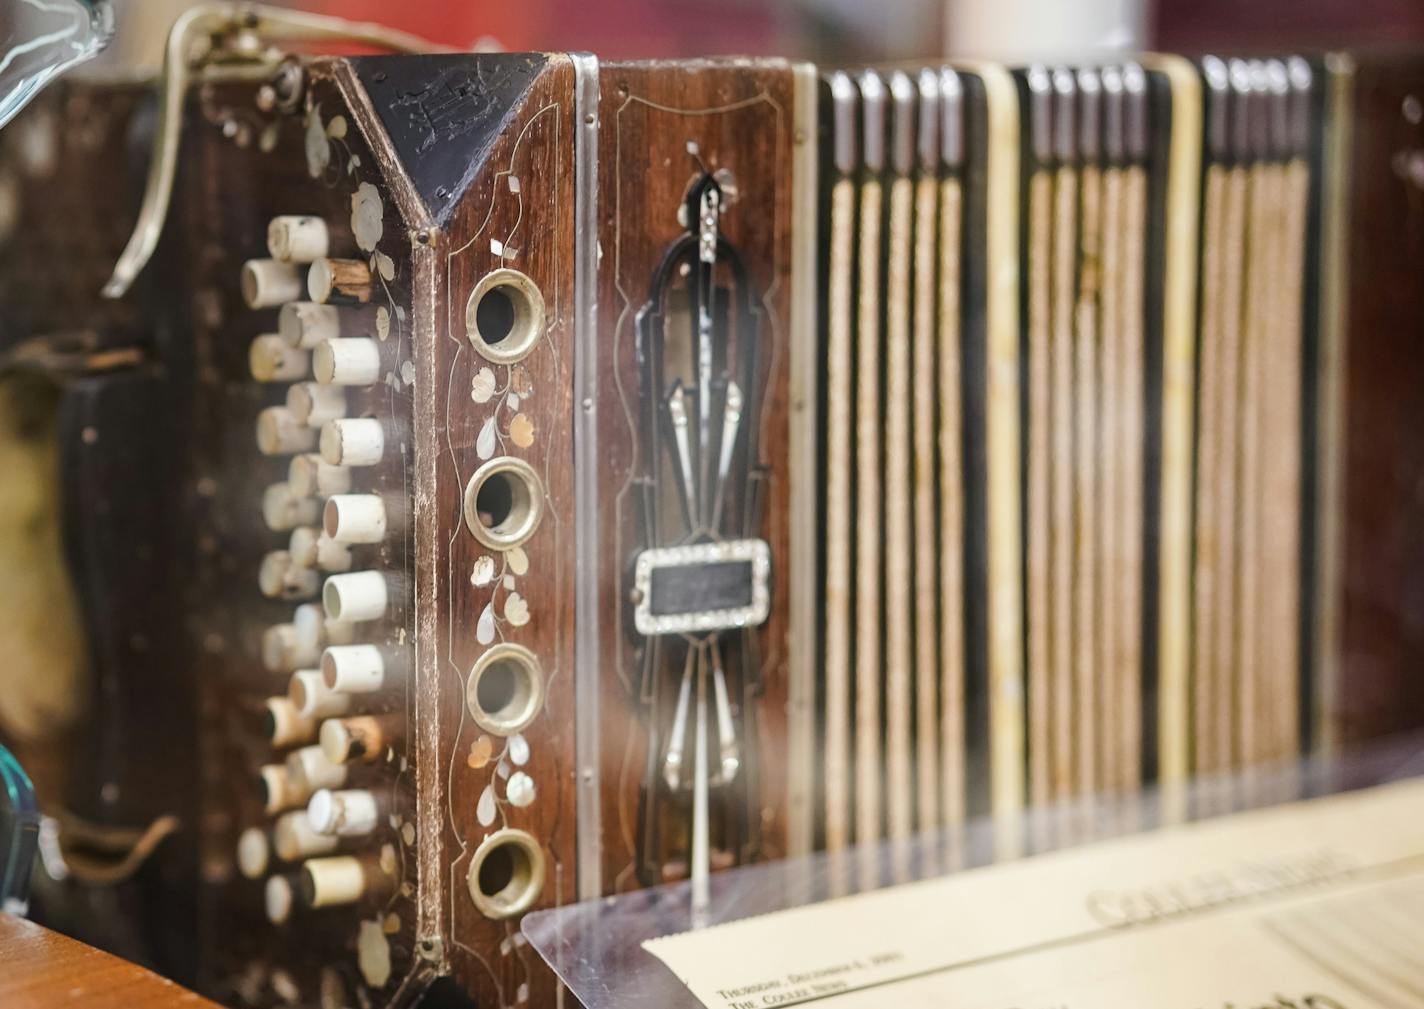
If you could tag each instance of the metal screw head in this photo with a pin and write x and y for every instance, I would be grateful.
(431, 948)
(288, 83)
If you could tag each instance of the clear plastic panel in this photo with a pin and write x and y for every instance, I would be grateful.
(41, 39)
(596, 946)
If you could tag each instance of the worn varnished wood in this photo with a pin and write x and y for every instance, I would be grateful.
(1379, 686)
(517, 213)
(230, 192)
(46, 970)
(739, 115)
(516, 210)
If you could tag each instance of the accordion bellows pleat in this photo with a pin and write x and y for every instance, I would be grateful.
(1121, 683)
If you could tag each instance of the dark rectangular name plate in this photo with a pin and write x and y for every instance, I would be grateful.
(689, 588)
(702, 588)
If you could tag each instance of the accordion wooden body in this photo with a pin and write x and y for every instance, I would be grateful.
(517, 479)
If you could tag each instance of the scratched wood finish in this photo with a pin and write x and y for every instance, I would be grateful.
(228, 193)
(45, 970)
(517, 213)
(739, 114)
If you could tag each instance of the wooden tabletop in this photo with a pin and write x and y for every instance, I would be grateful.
(40, 969)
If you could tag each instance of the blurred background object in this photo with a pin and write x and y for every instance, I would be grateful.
(19, 828)
(1042, 29)
(843, 30)
(41, 39)
(1187, 25)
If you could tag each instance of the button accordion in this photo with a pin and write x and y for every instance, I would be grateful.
(580, 476)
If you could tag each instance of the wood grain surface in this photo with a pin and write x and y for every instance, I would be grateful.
(516, 213)
(46, 970)
(738, 117)
(229, 193)
(1380, 689)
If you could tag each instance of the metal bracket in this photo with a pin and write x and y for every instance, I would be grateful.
(225, 41)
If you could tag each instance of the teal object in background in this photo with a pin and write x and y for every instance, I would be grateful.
(19, 834)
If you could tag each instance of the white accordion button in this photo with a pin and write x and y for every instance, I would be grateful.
(280, 433)
(310, 769)
(309, 475)
(271, 360)
(306, 324)
(353, 669)
(312, 548)
(359, 739)
(314, 404)
(341, 281)
(284, 510)
(328, 882)
(286, 725)
(315, 631)
(277, 899)
(279, 578)
(352, 361)
(294, 839)
(347, 813)
(279, 791)
(362, 595)
(296, 238)
(314, 698)
(279, 649)
(355, 518)
(358, 442)
(267, 283)
(253, 852)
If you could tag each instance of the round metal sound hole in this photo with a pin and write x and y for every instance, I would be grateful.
(504, 316)
(504, 502)
(505, 689)
(506, 874)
